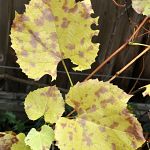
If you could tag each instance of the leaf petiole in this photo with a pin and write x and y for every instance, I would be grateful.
(67, 73)
(138, 44)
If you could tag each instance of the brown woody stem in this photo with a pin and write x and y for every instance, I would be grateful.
(118, 50)
(119, 5)
(130, 63)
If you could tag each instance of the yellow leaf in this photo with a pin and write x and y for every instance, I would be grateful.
(47, 102)
(147, 90)
(40, 140)
(52, 30)
(103, 121)
(20, 145)
(141, 6)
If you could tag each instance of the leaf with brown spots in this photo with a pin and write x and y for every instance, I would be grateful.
(40, 140)
(52, 30)
(46, 102)
(7, 140)
(141, 6)
(103, 121)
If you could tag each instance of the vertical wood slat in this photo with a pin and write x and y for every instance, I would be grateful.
(5, 21)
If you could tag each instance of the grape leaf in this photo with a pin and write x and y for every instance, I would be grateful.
(46, 102)
(141, 6)
(40, 140)
(6, 140)
(52, 30)
(20, 145)
(147, 91)
(103, 121)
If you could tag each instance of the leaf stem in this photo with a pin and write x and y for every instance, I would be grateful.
(118, 5)
(138, 44)
(118, 50)
(130, 63)
(67, 72)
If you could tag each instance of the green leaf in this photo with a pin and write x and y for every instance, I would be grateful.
(10, 117)
(19, 126)
(46, 102)
(141, 6)
(40, 140)
(20, 145)
(52, 30)
(103, 121)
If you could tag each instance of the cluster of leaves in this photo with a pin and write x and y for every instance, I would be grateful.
(50, 31)
(102, 119)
